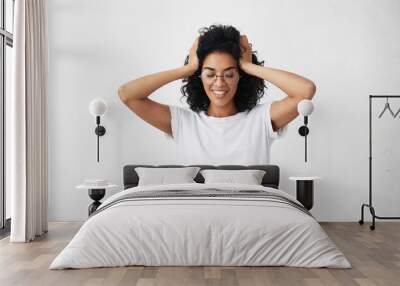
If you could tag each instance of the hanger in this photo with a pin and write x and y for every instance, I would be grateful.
(387, 106)
(398, 111)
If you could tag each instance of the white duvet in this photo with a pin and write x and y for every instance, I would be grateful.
(200, 231)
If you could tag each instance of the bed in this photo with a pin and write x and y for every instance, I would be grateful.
(201, 224)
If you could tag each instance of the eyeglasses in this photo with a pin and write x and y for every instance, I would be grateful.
(230, 76)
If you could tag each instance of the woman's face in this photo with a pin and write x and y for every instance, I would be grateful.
(220, 77)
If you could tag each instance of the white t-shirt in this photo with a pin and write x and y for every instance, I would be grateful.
(241, 139)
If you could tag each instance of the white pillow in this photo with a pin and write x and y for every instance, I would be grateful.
(163, 176)
(249, 177)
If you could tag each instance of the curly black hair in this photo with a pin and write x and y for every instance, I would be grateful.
(222, 38)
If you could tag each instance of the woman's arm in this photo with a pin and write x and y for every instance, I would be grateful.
(134, 94)
(295, 86)
(142, 87)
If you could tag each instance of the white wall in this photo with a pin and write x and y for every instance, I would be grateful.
(350, 49)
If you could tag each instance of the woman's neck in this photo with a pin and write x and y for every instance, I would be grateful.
(224, 111)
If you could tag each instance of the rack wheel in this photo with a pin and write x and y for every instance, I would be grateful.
(361, 222)
(372, 227)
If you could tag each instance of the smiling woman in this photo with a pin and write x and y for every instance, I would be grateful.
(223, 82)
(220, 49)
(220, 90)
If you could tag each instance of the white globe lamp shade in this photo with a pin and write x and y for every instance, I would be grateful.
(97, 107)
(305, 107)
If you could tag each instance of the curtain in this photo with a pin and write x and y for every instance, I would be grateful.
(28, 164)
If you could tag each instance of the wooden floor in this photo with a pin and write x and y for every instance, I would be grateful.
(374, 255)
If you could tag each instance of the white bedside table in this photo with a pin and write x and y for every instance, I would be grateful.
(305, 190)
(96, 193)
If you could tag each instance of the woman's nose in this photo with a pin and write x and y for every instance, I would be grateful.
(220, 80)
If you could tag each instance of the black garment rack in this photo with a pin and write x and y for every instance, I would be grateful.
(371, 208)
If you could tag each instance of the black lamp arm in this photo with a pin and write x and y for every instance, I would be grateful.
(303, 131)
(99, 131)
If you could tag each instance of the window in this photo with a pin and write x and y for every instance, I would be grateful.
(6, 62)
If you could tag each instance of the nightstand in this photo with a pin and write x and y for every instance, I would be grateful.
(96, 193)
(305, 190)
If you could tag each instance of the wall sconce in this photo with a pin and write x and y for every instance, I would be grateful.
(97, 108)
(305, 108)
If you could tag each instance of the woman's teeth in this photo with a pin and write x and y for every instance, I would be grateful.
(219, 93)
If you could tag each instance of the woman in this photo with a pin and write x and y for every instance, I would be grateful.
(223, 84)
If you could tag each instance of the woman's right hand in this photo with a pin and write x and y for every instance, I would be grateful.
(193, 62)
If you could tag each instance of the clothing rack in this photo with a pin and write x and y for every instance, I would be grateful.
(370, 206)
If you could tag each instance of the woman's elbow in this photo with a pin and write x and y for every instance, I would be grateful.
(122, 93)
(310, 90)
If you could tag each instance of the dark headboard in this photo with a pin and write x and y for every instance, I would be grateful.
(270, 179)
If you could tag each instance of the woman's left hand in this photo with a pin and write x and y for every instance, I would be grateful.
(246, 51)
